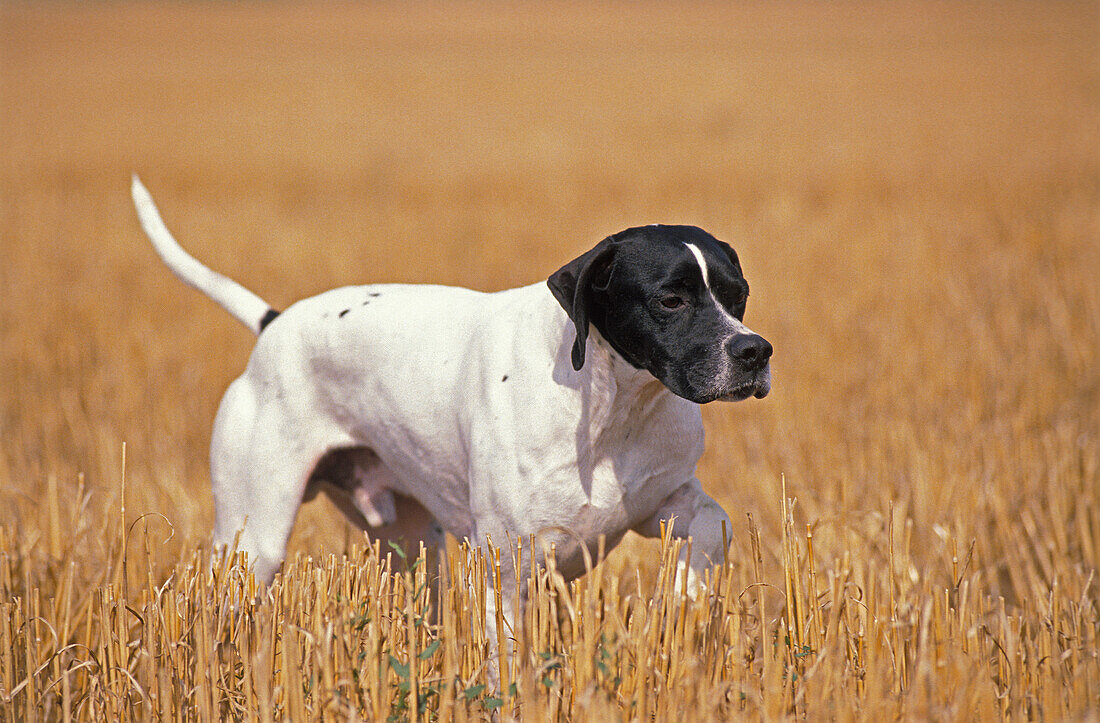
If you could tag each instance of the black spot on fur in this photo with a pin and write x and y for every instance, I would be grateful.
(344, 312)
(375, 294)
(504, 378)
(268, 318)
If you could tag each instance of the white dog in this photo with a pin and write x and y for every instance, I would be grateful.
(567, 409)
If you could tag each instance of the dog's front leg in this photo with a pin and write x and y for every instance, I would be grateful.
(692, 513)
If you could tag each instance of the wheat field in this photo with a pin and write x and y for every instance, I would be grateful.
(913, 190)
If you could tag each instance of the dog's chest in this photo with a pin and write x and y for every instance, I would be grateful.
(624, 467)
(621, 493)
(641, 457)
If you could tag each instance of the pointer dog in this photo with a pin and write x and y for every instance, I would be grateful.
(566, 410)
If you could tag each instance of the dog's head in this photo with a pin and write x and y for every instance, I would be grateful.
(670, 300)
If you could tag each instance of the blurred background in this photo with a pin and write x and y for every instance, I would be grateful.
(913, 189)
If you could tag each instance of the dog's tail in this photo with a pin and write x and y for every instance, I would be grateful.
(246, 307)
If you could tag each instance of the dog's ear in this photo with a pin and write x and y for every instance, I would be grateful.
(730, 254)
(573, 286)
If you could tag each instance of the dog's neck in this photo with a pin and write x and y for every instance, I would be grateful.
(614, 392)
(624, 390)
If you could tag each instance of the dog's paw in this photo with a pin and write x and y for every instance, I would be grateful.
(689, 582)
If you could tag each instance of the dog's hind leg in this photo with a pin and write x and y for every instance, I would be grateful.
(258, 476)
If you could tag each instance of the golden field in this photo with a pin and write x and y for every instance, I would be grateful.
(913, 190)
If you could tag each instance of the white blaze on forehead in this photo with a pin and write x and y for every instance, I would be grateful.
(701, 261)
(738, 327)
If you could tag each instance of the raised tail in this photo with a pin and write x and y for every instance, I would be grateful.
(246, 307)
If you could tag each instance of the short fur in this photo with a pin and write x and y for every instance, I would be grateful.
(567, 410)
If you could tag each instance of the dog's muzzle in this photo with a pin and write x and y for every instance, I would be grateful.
(749, 354)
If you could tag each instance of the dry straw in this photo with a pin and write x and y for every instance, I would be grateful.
(378, 634)
(912, 188)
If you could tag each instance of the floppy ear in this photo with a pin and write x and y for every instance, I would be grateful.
(572, 286)
(731, 254)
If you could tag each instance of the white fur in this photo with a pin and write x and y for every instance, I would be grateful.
(245, 306)
(418, 376)
(470, 403)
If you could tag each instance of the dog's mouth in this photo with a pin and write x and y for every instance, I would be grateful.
(743, 385)
(758, 386)
(742, 392)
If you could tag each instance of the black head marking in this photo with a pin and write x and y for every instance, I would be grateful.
(651, 293)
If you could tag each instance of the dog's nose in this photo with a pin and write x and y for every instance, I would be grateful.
(752, 350)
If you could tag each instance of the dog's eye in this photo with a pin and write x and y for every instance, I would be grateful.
(741, 299)
(672, 302)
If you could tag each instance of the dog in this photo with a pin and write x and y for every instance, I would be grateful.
(567, 410)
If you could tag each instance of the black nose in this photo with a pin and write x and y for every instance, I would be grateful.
(751, 350)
